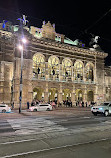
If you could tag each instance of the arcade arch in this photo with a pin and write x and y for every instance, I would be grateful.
(79, 95)
(89, 71)
(53, 94)
(38, 65)
(66, 67)
(38, 93)
(66, 94)
(90, 96)
(78, 70)
(53, 66)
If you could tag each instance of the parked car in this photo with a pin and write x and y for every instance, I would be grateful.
(103, 108)
(41, 107)
(4, 108)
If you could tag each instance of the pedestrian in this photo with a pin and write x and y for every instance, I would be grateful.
(86, 104)
(67, 103)
(53, 104)
(71, 103)
(28, 105)
(12, 105)
(82, 104)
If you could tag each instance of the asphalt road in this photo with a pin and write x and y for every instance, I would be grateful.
(57, 136)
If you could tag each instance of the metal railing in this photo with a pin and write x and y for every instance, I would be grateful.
(63, 80)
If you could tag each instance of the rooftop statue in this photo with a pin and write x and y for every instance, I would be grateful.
(94, 43)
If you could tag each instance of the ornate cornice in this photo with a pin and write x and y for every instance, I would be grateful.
(6, 33)
(66, 47)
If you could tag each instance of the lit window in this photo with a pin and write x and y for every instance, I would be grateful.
(53, 66)
(66, 67)
(38, 64)
(78, 70)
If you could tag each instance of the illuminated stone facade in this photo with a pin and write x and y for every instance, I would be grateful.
(54, 67)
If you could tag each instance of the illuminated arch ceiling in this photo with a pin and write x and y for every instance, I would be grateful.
(66, 66)
(89, 70)
(78, 69)
(38, 62)
(90, 96)
(53, 61)
(53, 64)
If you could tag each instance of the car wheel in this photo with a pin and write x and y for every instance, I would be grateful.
(106, 113)
(35, 110)
(3, 111)
(48, 109)
(94, 113)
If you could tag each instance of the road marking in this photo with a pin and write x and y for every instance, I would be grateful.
(87, 117)
(48, 149)
(29, 126)
(18, 141)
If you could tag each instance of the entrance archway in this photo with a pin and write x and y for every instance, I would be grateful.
(66, 94)
(79, 95)
(90, 96)
(53, 93)
(38, 94)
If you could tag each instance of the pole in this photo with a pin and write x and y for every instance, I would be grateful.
(20, 98)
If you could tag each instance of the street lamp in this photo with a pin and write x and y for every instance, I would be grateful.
(23, 41)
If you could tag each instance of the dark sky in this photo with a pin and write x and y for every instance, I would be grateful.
(75, 19)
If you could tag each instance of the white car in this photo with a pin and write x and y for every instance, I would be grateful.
(103, 108)
(41, 107)
(4, 108)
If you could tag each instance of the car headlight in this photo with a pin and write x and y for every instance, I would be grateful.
(100, 108)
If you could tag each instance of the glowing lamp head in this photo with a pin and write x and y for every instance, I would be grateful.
(20, 47)
(24, 40)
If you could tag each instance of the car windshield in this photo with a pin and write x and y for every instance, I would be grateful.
(103, 104)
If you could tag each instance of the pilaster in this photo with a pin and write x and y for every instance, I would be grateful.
(73, 98)
(46, 93)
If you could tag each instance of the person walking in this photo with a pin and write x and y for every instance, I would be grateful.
(82, 104)
(27, 105)
(12, 105)
(86, 104)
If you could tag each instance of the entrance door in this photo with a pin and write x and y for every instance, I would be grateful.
(79, 95)
(90, 96)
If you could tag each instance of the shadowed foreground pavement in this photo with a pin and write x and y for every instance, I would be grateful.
(64, 132)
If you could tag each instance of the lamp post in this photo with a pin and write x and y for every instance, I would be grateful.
(21, 85)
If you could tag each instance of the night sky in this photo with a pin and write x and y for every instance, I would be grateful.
(76, 19)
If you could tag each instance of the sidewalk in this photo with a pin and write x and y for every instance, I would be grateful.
(59, 111)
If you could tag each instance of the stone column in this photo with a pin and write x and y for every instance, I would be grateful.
(60, 73)
(46, 71)
(83, 73)
(104, 93)
(85, 95)
(95, 77)
(73, 98)
(2, 82)
(96, 94)
(46, 98)
(72, 73)
(104, 87)
(60, 94)
(2, 70)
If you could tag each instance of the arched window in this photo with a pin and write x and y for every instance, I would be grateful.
(66, 67)
(38, 65)
(53, 67)
(89, 71)
(78, 70)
